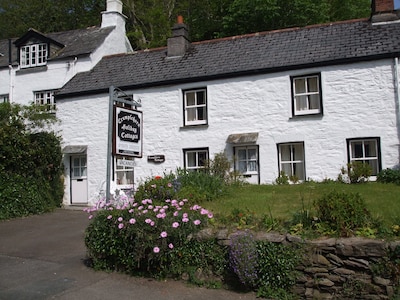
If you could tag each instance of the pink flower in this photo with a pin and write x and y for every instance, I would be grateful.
(153, 186)
(176, 213)
(204, 211)
(120, 225)
(185, 220)
(210, 215)
(156, 249)
(90, 217)
(185, 215)
(132, 221)
(109, 217)
(150, 207)
(163, 234)
(152, 223)
(120, 219)
(148, 221)
(181, 203)
(196, 222)
(171, 246)
(175, 225)
(131, 210)
(169, 184)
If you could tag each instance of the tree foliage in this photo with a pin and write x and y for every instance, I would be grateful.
(30, 162)
(149, 22)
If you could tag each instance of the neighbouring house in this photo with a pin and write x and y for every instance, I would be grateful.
(305, 101)
(34, 66)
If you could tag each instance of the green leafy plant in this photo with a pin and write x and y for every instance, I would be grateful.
(356, 172)
(389, 176)
(282, 178)
(343, 212)
(276, 269)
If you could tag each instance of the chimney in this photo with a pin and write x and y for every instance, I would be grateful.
(113, 15)
(179, 42)
(383, 11)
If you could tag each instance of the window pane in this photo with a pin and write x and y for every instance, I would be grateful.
(285, 152)
(357, 150)
(252, 153)
(298, 152)
(76, 162)
(242, 166)
(191, 114)
(191, 159)
(201, 113)
(373, 163)
(287, 168)
(314, 101)
(299, 170)
(190, 99)
(300, 85)
(370, 148)
(312, 84)
(201, 99)
(202, 159)
(252, 166)
(301, 102)
(242, 154)
(76, 172)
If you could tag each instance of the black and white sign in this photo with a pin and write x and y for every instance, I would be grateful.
(128, 132)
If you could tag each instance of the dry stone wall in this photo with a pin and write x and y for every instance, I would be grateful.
(338, 268)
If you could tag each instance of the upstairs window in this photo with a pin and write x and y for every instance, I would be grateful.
(33, 55)
(195, 107)
(306, 95)
(366, 151)
(46, 98)
(195, 159)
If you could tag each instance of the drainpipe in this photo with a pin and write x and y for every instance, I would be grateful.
(397, 91)
(11, 73)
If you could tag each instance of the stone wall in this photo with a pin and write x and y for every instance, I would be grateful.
(336, 268)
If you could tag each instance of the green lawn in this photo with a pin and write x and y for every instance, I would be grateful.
(282, 201)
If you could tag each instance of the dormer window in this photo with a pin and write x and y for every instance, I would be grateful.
(33, 55)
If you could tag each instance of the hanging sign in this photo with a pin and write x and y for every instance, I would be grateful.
(128, 132)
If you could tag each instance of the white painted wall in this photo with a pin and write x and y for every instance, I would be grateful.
(358, 101)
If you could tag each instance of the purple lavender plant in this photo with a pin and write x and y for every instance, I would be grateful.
(243, 258)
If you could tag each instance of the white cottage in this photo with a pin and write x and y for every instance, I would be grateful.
(34, 66)
(305, 101)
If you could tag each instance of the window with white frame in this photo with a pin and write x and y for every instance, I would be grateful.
(46, 99)
(195, 159)
(306, 95)
(291, 160)
(246, 161)
(4, 98)
(33, 55)
(124, 171)
(366, 150)
(195, 107)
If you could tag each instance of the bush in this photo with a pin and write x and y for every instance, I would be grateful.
(343, 212)
(142, 237)
(21, 196)
(356, 172)
(389, 176)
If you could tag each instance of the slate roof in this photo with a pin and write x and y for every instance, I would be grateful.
(318, 45)
(77, 42)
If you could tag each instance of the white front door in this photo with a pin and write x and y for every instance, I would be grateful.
(79, 189)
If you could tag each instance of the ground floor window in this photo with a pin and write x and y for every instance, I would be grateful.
(195, 159)
(366, 150)
(291, 160)
(5, 98)
(246, 161)
(124, 171)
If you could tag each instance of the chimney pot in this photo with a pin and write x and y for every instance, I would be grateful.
(180, 20)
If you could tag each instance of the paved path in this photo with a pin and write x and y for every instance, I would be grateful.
(42, 257)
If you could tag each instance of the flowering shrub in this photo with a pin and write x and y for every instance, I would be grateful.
(141, 237)
(243, 258)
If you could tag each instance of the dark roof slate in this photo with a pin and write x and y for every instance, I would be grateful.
(77, 42)
(265, 52)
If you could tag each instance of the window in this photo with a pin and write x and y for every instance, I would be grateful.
(306, 95)
(79, 167)
(367, 151)
(124, 171)
(46, 98)
(33, 55)
(195, 159)
(195, 107)
(246, 159)
(291, 160)
(4, 98)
